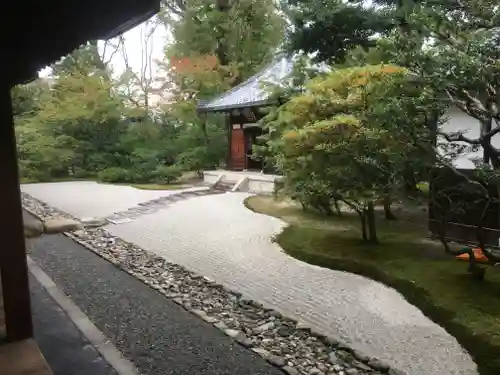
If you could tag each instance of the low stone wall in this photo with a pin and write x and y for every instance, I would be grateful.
(254, 182)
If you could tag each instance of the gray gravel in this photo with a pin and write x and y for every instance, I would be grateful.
(91, 199)
(216, 236)
(64, 347)
(152, 331)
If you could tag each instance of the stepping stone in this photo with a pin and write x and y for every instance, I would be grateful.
(120, 220)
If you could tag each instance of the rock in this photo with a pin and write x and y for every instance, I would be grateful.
(290, 370)
(209, 319)
(378, 364)
(33, 228)
(301, 326)
(360, 356)
(267, 341)
(262, 352)
(317, 334)
(220, 325)
(275, 314)
(276, 360)
(232, 332)
(93, 222)
(351, 371)
(362, 366)
(285, 331)
(329, 340)
(333, 359)
(199, 313)
(314, 371)
(343, 354)
(243, 340)
(262, 328)
(61, 225)
(337, 367)
(394, 371)
(81, 234)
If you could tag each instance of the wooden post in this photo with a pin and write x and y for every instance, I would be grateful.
(229, 128)
(13, 266)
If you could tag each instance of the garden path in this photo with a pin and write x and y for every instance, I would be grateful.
(218, 237)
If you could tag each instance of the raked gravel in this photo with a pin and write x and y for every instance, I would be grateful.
(377, 320)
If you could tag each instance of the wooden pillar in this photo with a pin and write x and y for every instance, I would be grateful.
(229, 129)
(13, 266)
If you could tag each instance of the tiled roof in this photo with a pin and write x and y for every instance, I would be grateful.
(251, 92)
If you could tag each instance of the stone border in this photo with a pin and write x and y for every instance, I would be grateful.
(283, 342)
(109, 352)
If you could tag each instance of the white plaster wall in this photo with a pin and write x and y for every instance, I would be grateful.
(459, 121)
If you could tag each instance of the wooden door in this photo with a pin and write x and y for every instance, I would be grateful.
(238, 156)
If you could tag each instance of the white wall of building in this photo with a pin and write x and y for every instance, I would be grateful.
(459, 121)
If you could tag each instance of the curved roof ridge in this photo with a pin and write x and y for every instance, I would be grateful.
(247, 93)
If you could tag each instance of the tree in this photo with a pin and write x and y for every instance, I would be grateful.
(138, 87)
(452, 48)
(348, 138)
(215, 47)
(242, 35)
(333, 28)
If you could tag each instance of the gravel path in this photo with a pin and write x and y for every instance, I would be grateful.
(91, 199)
(218, 237)
(155, 333)
(64, 347)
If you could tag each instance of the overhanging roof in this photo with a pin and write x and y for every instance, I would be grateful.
(41, 32)
(251, 92)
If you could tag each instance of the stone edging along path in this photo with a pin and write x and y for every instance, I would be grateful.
(281, 341)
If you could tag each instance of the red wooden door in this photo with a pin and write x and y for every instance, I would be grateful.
(238, 156)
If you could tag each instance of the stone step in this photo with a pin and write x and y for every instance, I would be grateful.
(154, 205)
(224, 185)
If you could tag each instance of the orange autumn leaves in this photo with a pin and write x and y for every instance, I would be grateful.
(194, 64)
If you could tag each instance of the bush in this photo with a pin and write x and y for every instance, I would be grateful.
(140, 175)
(167, 175)
(29, 175)
(113, 174)
(82, 173)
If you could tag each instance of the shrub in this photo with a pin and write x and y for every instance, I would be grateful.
(166, 175)
(82, 173)
(140, 175)
(113, 174)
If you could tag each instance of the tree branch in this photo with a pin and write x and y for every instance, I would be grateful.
(459, 137)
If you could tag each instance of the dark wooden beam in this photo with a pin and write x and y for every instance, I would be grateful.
(229, 128)
(13, 267)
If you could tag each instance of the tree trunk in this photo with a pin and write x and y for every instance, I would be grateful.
(387, 208)
(221, 51)
(337, 207)
(362, 217)
(370, 218)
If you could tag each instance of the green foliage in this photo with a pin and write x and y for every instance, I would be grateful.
(333, 28)
(167, 175)
(348, 138)
(215, 48)
(88, 124)
(113, 174)
(459, 61)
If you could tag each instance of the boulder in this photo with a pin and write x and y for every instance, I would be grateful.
(33, 228)
(93, 222)
(60, 225)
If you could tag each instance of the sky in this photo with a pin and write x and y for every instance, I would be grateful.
(134, 48)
